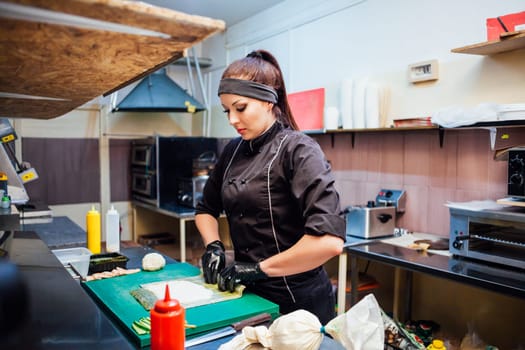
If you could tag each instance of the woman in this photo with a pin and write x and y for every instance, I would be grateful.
(277, 191)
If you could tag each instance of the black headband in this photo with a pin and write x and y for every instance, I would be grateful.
(248, 88)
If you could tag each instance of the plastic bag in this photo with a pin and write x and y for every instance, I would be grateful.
(452, 117)
(472, 340)
(298, 330)
(250, 338)
(361, 327)
(396, 337)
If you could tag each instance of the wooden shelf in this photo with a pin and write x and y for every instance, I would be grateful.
(508, 42)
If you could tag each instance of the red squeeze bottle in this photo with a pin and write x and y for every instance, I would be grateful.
(167, 324)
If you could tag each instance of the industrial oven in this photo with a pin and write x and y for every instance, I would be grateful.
(496, 236)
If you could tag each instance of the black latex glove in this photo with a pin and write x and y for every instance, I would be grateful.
(239, 273)
(213, 261)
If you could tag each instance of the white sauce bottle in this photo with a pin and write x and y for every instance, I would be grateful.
(112, 231)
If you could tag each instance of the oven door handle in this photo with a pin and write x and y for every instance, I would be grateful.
(383, 218)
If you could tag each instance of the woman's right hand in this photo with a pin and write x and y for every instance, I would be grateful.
(213, 261)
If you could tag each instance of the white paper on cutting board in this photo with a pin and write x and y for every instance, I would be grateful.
(192, 291)
(184, 291)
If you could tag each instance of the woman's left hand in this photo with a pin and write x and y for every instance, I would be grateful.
(239, 273)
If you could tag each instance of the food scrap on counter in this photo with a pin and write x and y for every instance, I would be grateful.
(118, 271)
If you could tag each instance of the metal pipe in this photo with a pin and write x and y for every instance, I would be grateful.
(205, 126)
(199, 75)
(190, 75)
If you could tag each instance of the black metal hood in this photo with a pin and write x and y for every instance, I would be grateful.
(158, 93)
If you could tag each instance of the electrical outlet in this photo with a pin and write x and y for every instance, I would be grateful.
(423, 71)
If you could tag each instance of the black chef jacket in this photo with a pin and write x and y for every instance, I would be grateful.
(273, 189)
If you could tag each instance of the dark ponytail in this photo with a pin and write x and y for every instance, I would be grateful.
(262, 67)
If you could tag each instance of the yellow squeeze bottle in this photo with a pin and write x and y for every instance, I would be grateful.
(93, 230)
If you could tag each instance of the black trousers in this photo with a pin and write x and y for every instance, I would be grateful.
(311, 291)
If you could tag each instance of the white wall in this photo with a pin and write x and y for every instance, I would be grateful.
(319, 43)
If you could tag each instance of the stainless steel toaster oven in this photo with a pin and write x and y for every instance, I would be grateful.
(377, 218)
(496, 236)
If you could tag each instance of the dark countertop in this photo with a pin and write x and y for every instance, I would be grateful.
(60, 315)
(502, 279)
(169, 209)
(60, 232)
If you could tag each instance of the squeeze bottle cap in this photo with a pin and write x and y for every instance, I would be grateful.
(168, 304)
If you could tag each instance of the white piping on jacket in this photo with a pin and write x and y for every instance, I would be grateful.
(231, 160)
(271, 213)
(269, 200)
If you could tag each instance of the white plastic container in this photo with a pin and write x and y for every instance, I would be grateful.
(112, 231)
(78, 257)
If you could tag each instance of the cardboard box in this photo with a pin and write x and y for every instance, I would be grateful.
(495, 28)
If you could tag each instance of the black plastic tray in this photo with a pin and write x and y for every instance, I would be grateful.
(106, 262)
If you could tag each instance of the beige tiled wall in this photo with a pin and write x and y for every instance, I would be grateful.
(463, 169)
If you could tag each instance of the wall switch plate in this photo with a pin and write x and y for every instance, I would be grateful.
(423, 71)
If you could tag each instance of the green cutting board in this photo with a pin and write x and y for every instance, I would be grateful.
(112, 294)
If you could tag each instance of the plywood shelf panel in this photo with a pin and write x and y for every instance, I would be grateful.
(508, 42)
(58, 55)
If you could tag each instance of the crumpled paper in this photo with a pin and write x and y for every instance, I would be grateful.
(360, 328)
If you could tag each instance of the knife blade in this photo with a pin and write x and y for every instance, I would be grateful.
(228, 330)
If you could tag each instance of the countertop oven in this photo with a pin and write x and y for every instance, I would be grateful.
(144, 170)
(158, 164)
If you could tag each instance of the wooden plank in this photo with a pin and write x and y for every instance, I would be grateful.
(180, 26)
(507, 43)
(517, 202)
(77, 64)
(64, 57)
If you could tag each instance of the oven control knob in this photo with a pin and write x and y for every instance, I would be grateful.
(457, 244)
(516, 179)
(517, 164)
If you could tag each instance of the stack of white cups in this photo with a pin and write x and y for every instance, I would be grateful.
(331, 118)
(361, 104)
(346, 99)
